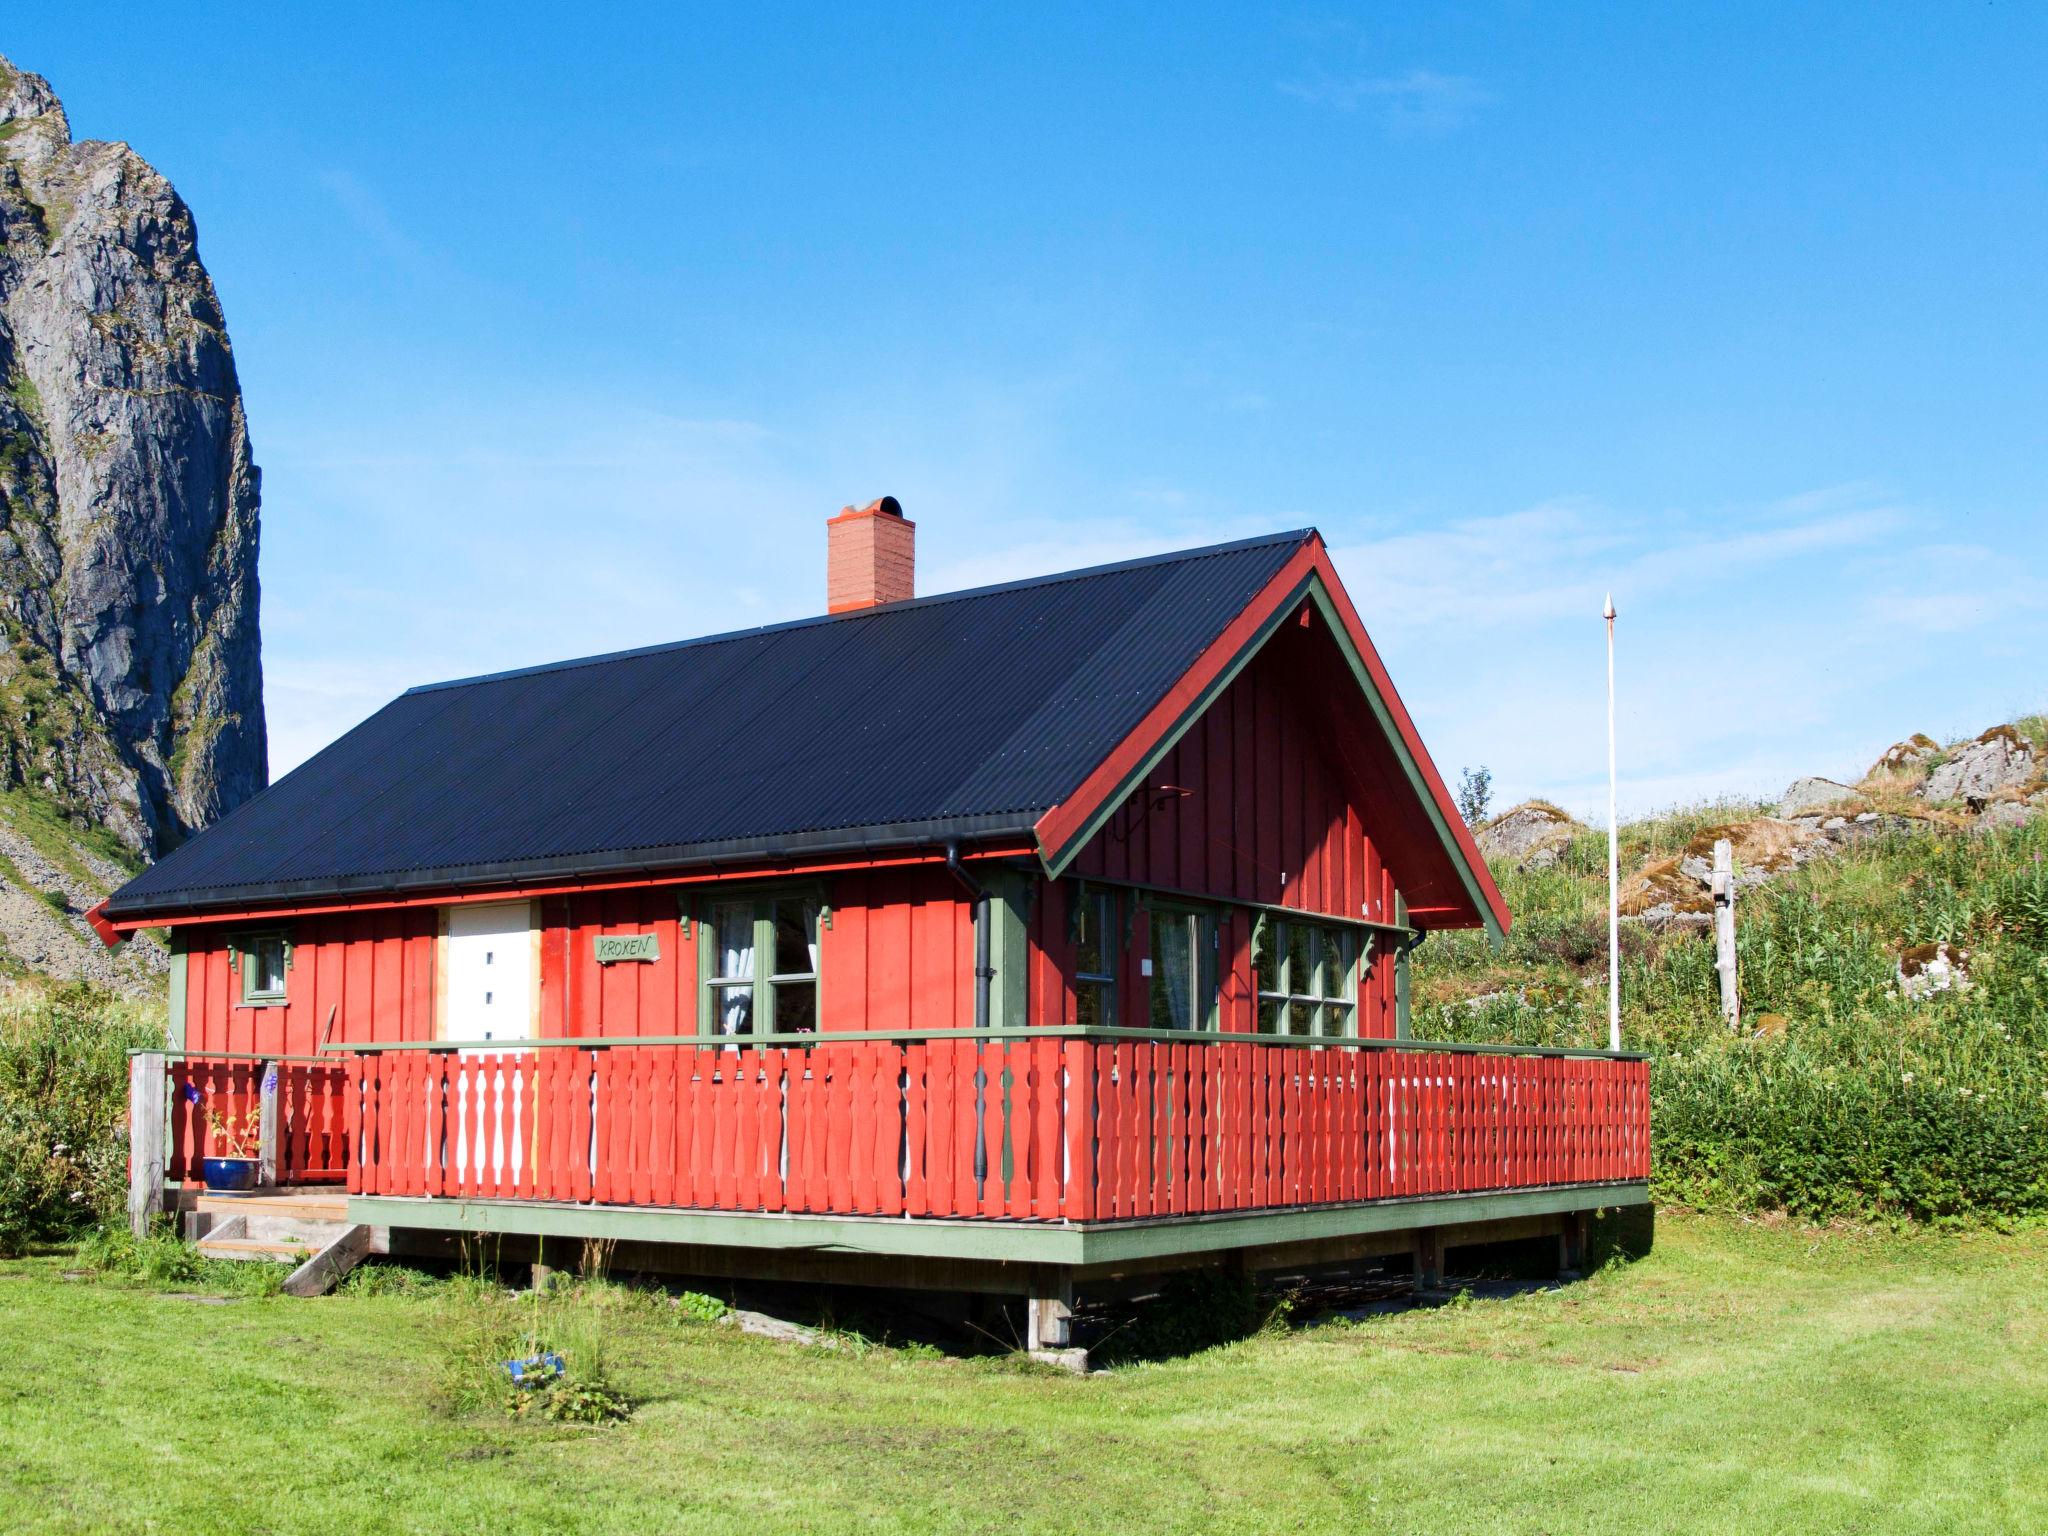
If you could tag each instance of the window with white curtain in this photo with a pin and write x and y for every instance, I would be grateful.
(760, 964)
(1183, 962)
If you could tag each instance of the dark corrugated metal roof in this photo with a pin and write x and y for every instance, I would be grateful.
(967, 714)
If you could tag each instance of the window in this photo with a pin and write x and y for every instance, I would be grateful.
(264, 959)
(1305, 974)
(1096, 940)
(759, 963)
(1183, 968)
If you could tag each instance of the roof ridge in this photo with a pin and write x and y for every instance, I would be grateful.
(1294, 535)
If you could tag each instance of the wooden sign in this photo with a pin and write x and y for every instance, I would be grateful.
(610, 948)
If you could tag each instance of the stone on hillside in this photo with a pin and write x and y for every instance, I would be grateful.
(1531, 836)
(1665, 892)
(1906, 756)
(1999, 759)
(1763, 848)
(1926, 969)
(2002, 815)
(1803, 797)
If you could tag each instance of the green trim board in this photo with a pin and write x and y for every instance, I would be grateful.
(1257, 908)
(174, 1024)
(995, 1241)
(1044, 1031)
(1320, 595)
(1010, 893)
(1057, 860)
(1404, 990)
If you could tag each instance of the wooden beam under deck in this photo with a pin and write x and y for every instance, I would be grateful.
(1025, 1242)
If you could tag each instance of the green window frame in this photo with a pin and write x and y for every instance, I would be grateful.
(263, 962)
(758, 965)
(1098, 939)
(1181, 966)
(1305, 975)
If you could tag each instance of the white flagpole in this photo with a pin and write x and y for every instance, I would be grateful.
(1613, 859)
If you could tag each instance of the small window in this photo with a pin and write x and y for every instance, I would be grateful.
(265, 957)
(1183, 968)
(760, 966)
(1095, 945)
(1306, 975)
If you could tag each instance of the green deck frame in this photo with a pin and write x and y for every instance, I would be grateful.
(1028, 1242)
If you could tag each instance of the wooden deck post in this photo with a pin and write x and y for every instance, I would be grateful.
(266, 1125)
(146, 1079)
(1572, 1234)
(1049, 1311)
(1429, 1260)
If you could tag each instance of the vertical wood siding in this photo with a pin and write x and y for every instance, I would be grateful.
(898, 954)
(373, 970)
(1254, 804)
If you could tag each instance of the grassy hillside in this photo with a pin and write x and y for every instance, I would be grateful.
(1840, 1096)
(53, 869)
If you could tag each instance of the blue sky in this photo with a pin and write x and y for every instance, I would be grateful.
(562, 332)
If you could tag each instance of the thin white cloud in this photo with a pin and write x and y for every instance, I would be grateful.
(367, 212)
(1414, 104)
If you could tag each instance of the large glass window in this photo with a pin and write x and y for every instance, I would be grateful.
(760, 965)
(1183, 968)
(1306, 974)
(1096, 940)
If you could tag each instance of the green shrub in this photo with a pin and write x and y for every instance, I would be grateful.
(1859, 1103)
(64, 1107)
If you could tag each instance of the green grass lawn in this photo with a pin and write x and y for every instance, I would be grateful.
(1740, 1378)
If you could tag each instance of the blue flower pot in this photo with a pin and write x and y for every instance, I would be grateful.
(539, 1367)
(229, 1175)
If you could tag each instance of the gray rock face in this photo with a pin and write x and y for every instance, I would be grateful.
(1999, 759)
(1805, 796)
(131, 686)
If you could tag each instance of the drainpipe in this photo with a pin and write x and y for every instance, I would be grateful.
(983, 971)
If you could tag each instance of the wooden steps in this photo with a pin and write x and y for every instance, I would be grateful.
(306, 1228)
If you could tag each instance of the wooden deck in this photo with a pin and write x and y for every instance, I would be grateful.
(1036, 1126)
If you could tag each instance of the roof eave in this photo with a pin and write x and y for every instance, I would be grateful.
(650, 862)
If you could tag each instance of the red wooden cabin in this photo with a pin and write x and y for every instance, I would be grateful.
(998, 939)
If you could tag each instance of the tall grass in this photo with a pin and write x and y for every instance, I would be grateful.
(63, 1107)
(1840, 1097)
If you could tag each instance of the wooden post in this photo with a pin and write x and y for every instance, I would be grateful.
(1724, 930)
(1049, 1313)
(266, 1126)
(1429, 1260)
(146, 1080)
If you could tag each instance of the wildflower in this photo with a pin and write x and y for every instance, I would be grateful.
(191, 1093)
(1905, 1077)
(77, 1195)
(59, 1150)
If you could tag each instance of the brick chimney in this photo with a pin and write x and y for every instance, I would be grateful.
(870, 556)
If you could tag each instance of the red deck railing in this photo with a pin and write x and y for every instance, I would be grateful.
(1042, 1125)
(310, 1099)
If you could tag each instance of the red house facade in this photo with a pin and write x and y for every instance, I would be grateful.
(1007, 939)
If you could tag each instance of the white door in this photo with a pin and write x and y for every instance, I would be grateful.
(490, 997)
(490, 972)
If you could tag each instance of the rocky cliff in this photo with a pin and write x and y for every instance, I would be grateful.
(131, 699)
